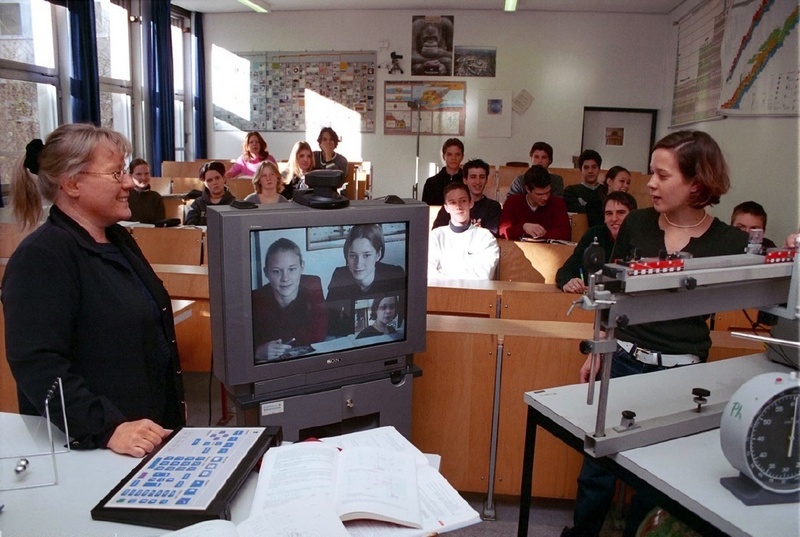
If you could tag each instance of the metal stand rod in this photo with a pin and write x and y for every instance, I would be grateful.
(489, 512)
(415, 190)
(605, 380)
(526, 487)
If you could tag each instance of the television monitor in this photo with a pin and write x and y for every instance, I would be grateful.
(305, 299)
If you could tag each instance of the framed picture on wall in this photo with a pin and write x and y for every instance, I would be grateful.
(432, 45)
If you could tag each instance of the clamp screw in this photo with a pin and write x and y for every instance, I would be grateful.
(700, 397)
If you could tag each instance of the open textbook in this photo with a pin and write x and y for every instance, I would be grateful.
(362, 481)
(296, 490)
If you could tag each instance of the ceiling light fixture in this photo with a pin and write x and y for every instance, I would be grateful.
(511, 5)
(256, 5)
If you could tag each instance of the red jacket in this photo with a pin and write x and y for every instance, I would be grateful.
(552, 217)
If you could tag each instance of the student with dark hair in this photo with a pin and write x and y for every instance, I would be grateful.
(147, 206)
(751, 215)
(382, 313)
(571, 277)
(212, 174)
(618, 179)
(327, 158)
(452, 154)
(537, 214)
(689, 173)
(485, 212)
(254, 152)
(542, 154)
(289, 311)
(589, 189)
(461, 250)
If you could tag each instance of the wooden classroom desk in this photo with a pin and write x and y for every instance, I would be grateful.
(463, 403)
(455, 400)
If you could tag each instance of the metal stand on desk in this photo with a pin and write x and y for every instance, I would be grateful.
(708, 285)
(32, 463)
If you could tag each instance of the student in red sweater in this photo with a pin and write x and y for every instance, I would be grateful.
(537, 214)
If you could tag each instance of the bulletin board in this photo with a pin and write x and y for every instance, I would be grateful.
(278, 81)
(442, 107)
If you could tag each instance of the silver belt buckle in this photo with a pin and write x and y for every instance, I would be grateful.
(646, 357)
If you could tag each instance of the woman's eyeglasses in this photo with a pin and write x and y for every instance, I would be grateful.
(116, 175)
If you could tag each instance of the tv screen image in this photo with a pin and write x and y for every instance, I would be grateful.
(329, 288)
(303, 299)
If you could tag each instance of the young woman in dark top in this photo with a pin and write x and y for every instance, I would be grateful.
(688, 174)
(212, 174)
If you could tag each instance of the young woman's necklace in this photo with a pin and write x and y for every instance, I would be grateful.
(705, 214)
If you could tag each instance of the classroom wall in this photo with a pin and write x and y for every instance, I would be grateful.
(565, 60)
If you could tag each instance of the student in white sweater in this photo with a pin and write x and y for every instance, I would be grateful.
(461, 250)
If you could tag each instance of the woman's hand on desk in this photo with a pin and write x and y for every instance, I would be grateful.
(137, 438)
(575, 285)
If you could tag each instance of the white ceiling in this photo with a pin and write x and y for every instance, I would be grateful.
(604, 6)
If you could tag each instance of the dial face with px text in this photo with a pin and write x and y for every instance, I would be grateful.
(773, 442)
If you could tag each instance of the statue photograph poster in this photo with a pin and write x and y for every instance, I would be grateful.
(432, 45)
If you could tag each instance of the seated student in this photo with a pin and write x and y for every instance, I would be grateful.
(254, 152)
(751, 215)
(578, 196)
(301, 161)
(541, 154)
(289, 311)
(453, 154)
(267, 184)
(214, 193)
(382, 313)
(363, 276)
(327, 158)
(570, 277)
(461, 250)
(485, 212)
(537, 214)
(146, 205)
(618, 179)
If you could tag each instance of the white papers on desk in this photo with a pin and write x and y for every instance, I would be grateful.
(381, 437)
(442, 509)
(309, 517)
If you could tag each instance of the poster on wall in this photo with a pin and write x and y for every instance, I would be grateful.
(615, 136)
(759, 60)
(494, 113)
(278, 81)
(475, 61)
(432, 45)
(442, 107)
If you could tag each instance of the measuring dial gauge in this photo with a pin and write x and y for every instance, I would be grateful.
(760, 431)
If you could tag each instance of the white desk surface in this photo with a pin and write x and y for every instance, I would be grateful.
(685, 469)
(84, 478)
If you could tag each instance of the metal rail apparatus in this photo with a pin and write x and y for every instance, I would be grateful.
(649, 290)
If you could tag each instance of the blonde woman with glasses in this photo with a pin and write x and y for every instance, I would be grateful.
(81, 303)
